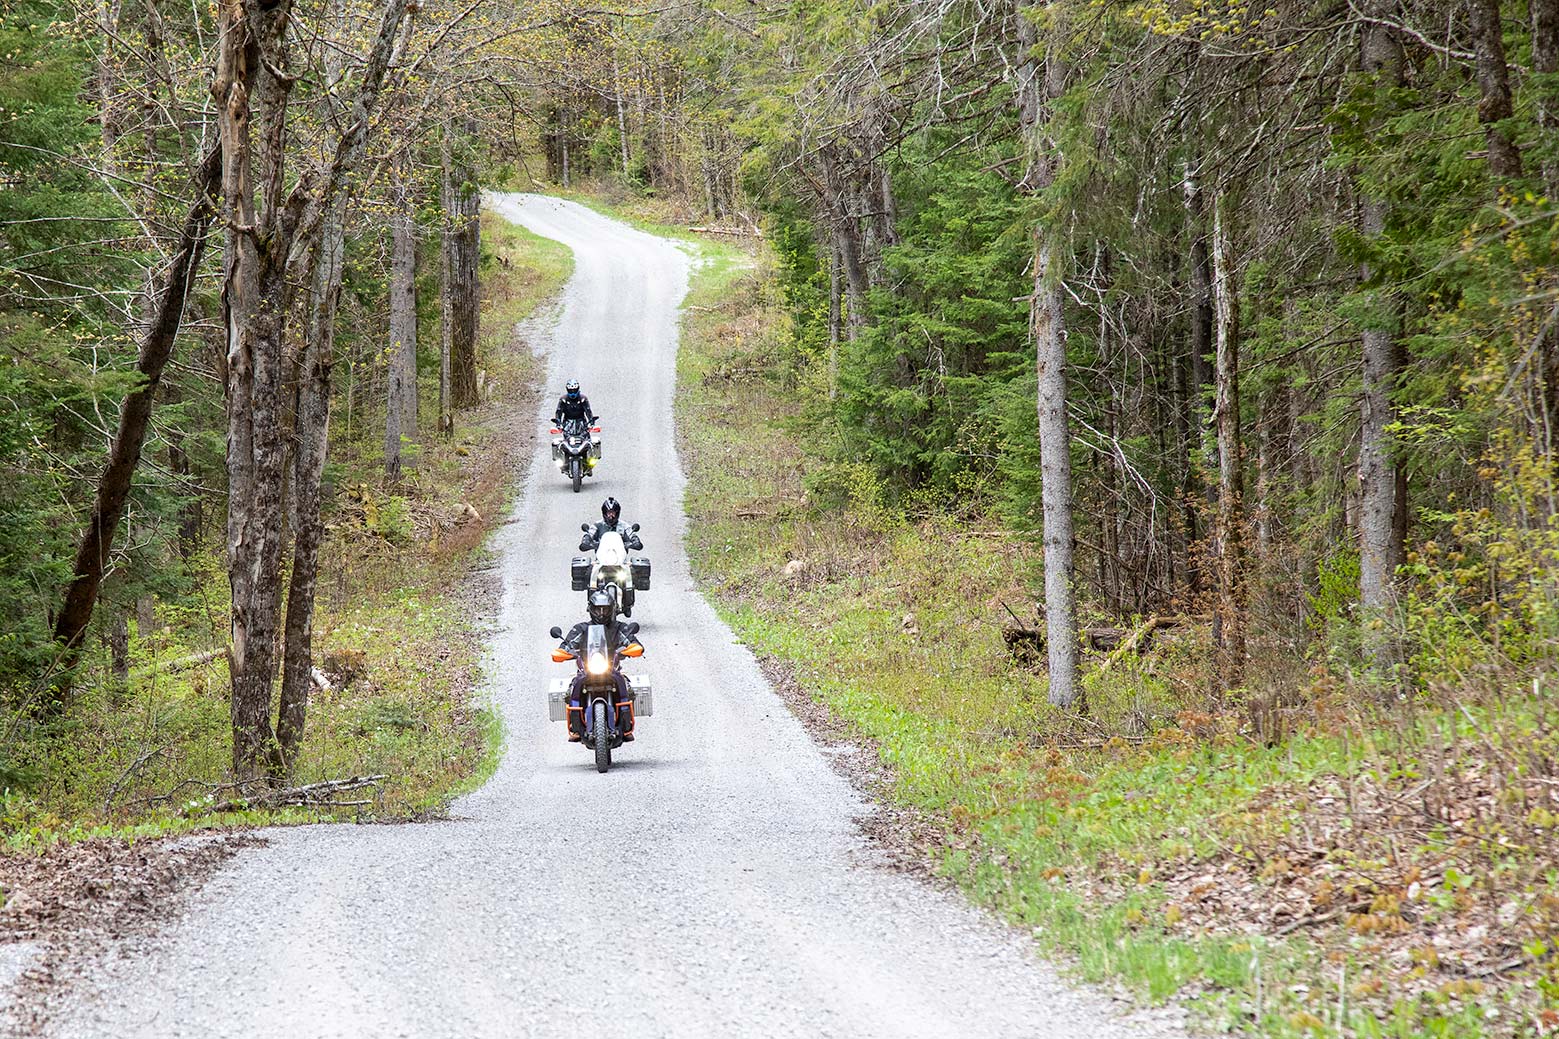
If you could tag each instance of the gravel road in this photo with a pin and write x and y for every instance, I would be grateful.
(714, 883)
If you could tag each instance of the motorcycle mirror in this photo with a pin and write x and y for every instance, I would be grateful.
(585, 527)
(633, 628)
(556, 632)
(635, 528)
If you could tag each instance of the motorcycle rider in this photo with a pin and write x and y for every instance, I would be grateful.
(573, 406)
(611, 513)
(603, 611)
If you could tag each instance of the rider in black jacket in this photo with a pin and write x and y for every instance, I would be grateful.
(611, 515)
(603, 611)
(573, 406)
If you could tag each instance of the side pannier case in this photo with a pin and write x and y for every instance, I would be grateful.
(557, 700)
(579, 573)
(641, 572)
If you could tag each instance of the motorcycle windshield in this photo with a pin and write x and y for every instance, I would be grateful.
(574, 427)
(611, 551)
(595, 640)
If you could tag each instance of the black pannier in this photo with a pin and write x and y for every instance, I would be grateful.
(641, 572)
(579, 572)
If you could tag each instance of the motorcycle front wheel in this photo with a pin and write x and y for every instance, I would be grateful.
(576, 471)
(603, 737)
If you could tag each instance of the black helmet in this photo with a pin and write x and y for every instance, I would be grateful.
(603, 606)
(572, 388)
(611, 508)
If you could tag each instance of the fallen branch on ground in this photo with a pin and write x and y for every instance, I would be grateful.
(310, 794)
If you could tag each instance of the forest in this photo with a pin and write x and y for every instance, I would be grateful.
(1232, 329)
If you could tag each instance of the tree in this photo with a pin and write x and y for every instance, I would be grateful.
(401, 348)
(272, 233)
(97, 541)
(1040, 84)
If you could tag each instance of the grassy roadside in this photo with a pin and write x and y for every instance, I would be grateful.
(1353, 876)
(399, 626)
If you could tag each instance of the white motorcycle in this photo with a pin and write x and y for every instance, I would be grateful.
(612, 565)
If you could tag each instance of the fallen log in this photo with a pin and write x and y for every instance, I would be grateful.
(734, 232)
(1144, 631)
(173, 667)
(178, 664)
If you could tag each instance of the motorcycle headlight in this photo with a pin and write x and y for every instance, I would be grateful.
(596, 663)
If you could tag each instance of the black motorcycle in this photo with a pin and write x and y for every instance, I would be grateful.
(607, 710)
(576, 449)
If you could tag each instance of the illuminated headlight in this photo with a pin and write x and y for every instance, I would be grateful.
(590, 461)
(596, 664)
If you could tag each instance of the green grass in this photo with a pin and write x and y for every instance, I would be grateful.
(144, 758)
(1088, 830)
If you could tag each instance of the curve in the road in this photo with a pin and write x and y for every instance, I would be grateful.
(712, 884)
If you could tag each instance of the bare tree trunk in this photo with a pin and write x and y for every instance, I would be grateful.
(119, 646)
(312, 435)
(1378, 546)
(402, 349)
(1038, 85)
(467, 300)
(1494, 107)
(1110, 578)
(1055, 473)
(1545, 63)
(108, 92)
(833, 319)
(1198, 487)
(251, 88)
(113, 490)
(446, 410)
(191, 513)
(1230, 669)
(847, 239)
(271, 232)
(622, 118)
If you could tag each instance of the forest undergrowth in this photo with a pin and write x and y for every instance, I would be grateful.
(1309, 855)
(399, 629)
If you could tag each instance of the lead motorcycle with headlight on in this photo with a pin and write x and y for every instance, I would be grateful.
(576, 448)
(602, 704)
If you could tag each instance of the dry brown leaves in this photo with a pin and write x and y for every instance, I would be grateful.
(1440, 883)
(73, 899)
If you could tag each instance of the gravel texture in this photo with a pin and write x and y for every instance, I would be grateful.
(714, 883)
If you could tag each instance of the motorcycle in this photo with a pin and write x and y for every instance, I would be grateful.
(612, 565)
(576, 449)
(606, 710)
